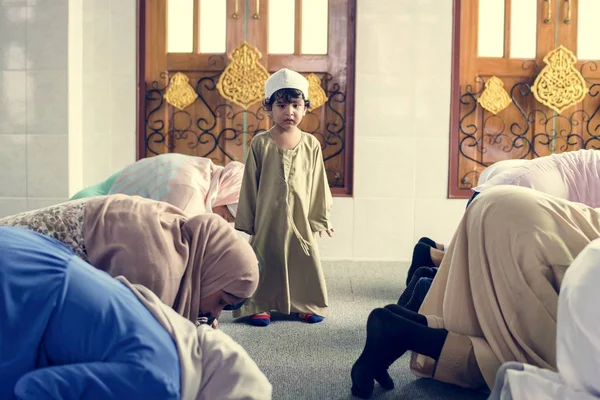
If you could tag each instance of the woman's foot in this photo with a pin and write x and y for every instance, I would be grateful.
(310, 318)
(261, 319)
(431, 243)
(427, 241)
(375, 359)
(421, 258)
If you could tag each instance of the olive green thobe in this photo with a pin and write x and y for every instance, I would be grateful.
(284, 200)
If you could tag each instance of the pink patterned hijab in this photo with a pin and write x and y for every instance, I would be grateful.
(225, 186)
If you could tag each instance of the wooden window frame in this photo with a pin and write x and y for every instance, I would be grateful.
(453, 191)
(546, 130)
(347, 190)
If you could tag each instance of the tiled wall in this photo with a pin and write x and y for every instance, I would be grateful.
(109, 87)
(402, 121)
(33, 104)
(402, 118)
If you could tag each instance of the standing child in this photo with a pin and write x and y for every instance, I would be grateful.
(284, 201)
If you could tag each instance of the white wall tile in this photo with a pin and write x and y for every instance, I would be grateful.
(96, 5)
(96, 37)
(123, 36)
(13, 2)
(384, 43)
(47, 108)
(97, 160)
(47, 36)
(36, 204)
(47, 2)
(123, 150)
(12, 206)
(13, 164)
(13, 37)
(385, 105)
(47, 166)
(13, 112)
(96, 103)
(437, 218)
(123, 93)
(431, 172)
(386, 167)
(339, 247)
(383, 228)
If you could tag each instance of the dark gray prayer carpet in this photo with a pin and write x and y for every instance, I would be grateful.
(309, 362)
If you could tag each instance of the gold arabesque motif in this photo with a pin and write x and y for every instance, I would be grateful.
(180, 93)
(559, 85)
(316, 94)
(243, 80)
(494, 98)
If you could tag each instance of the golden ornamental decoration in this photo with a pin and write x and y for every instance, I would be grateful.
(243, 80)
(494, 98)
(180, 93)
(316, 94)
(559, 85)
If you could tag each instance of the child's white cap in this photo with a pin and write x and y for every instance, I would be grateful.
(286, 79)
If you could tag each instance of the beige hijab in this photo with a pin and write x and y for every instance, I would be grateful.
(180, 259)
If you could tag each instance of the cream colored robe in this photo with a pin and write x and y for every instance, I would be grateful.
(497, 288)
(285, 199)
(213, 366)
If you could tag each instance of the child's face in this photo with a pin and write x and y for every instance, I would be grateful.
(288, 115)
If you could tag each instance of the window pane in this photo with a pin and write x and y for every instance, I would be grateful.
(523, 17)
(180, 26)
(213, 18)
(314, 26)
(282, 17)
(587, 30)
(491, 28)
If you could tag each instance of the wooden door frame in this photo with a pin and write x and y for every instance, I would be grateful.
(347, 190)
(140, 108)
(453, 191)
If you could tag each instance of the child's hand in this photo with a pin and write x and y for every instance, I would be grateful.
(215, 324)
(328, 231)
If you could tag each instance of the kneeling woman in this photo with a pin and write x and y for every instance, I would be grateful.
(196, 265)
(70, 331)
(494, 298)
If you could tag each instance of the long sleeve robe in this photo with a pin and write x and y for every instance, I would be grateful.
(284, 201)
